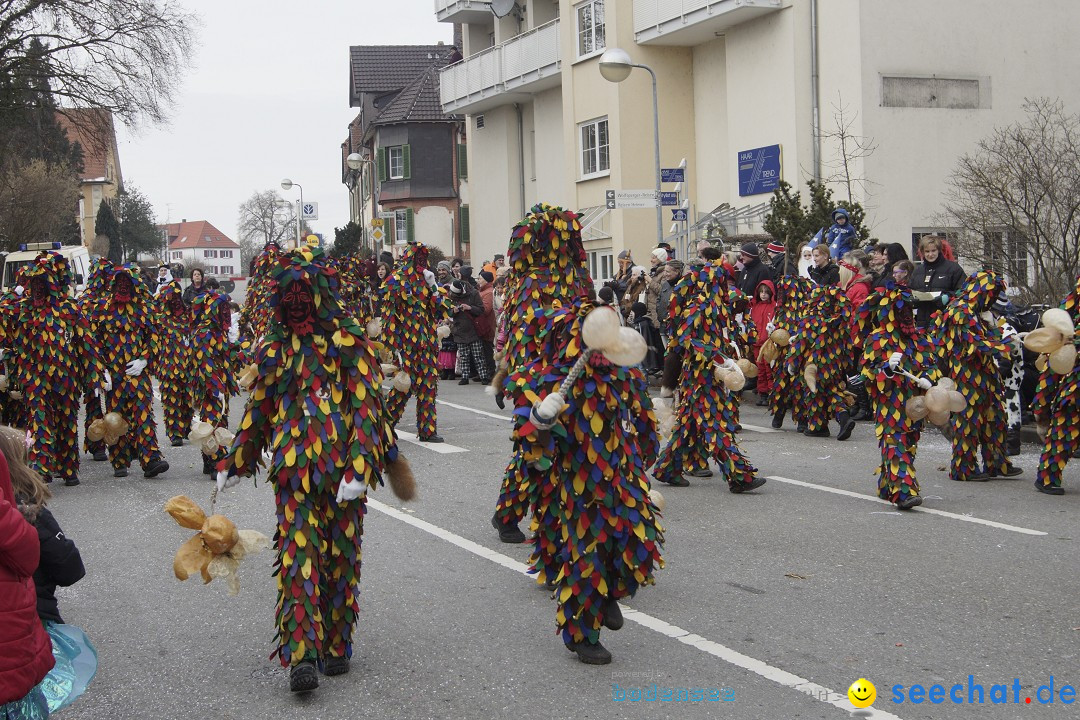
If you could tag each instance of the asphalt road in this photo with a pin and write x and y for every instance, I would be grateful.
(778, 599)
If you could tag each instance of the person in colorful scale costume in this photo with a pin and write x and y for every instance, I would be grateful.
(592, 433)
(56, 358)
(175, 367)
(255, 315)
(317, 409)
(413, 307)
(820, 348)
(792, 299)
(970, 346)
(97, 286)
(548, 268)
(703, 335)
(12, 401)
(1056, 406)
(121, 319)
(211, 364)
(894, 343)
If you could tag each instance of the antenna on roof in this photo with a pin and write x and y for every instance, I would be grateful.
(502, 8)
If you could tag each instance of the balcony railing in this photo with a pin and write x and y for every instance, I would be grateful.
(525, 64)
(463, 11)
(691, 22)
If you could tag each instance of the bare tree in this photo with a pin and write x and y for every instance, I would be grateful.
(124, 56)
(265, 217)
(37, 202)
(845, 168)
(1017, 197)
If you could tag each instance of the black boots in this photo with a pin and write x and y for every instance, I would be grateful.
(335, 666)
(590, 654)
(778, 418)
(303, 677)
(1012, 442)
(507, 533)
(613, 619)
(847, 424)
(863, 409)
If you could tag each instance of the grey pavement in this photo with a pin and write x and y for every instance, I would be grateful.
(786, 585)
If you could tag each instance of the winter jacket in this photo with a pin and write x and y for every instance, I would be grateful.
(652, 296)
(840, 239)
(463, 328)
(753, 273)
(25, 650)
(857, 292)
(761, 312)
(485, 324)
(60, 565)
(777, 264)
(942, 275)
(828, 274)
(191, 292)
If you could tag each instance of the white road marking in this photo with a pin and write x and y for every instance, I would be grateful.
(507, 418)
(441, 448)
(930, 511)
(733, 657)
(759, 428)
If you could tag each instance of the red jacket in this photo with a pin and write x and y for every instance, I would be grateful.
(25, 650)
(762, 312)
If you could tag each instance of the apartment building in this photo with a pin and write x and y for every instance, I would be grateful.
(748, 94)
(101, 179)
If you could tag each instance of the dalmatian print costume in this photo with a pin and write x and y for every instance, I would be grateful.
(1013, 374)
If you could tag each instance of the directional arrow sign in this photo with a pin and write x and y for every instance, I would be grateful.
(678, 215)
(630, 199)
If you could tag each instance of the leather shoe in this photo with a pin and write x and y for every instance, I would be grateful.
(303, 677)
(430, 439)
(754, 484)
(703, 473)
(613, 619)
(675, 481)
(590, 653)
(507, 533)
(909, 502)
(1049, 489)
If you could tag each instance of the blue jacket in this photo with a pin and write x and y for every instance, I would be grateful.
(840, 239)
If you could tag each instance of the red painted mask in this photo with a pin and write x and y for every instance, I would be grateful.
(123, 288)
(39, 291)
(298, 308)
(176, 306)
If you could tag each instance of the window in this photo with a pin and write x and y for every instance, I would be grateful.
(463, 225)
(951, 235)
(601, 264)
(590, 27)
(403, 226)
(209, 253)
(1005, 252)
(226, 253)
(462, 161)
(394, 163)
(594, 148)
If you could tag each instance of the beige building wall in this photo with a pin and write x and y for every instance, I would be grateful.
(547, 147)
(713, 153)
(434, 226)
(495, 203)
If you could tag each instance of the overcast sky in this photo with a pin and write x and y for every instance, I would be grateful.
(267, 98)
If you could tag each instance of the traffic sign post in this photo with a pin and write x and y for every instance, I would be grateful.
(678, 215)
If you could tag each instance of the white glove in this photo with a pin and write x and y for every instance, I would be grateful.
(728, 364)
(429, 278)
(924, 384)
(19, 290)
(349, 490)
(895, 359)
(224, 481)
(107, 383)
(550, 406)
(135, 367)
(769, 328)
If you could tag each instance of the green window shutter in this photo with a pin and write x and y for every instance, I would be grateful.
(410, 233)
(463, 225)
(380, 157)
(462, 161)
(407, 162)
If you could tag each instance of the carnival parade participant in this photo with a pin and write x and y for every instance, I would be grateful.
(703, 337)
(593, 435)
(413, 305)
(895, 345)
(211, 362)
(819, 351)
(56, 359)
(316, 408)
(175, 366)
(970, 346)
(547, 269)
(97, 286)
(121, 320)
(792, 298)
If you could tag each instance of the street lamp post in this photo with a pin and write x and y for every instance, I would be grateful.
(615, 66)
(356, 161)
(288, 184)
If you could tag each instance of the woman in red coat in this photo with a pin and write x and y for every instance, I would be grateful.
(762, 309)
(25, 651)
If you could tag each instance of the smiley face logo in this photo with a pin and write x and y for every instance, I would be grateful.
(862, 693)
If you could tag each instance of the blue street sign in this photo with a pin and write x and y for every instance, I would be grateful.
(668, 198)
(672, 175)
(678, 215)
(759, 170)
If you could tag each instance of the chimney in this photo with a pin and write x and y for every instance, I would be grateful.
(184, 220)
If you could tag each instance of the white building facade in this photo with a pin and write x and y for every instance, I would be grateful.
(763, 80)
